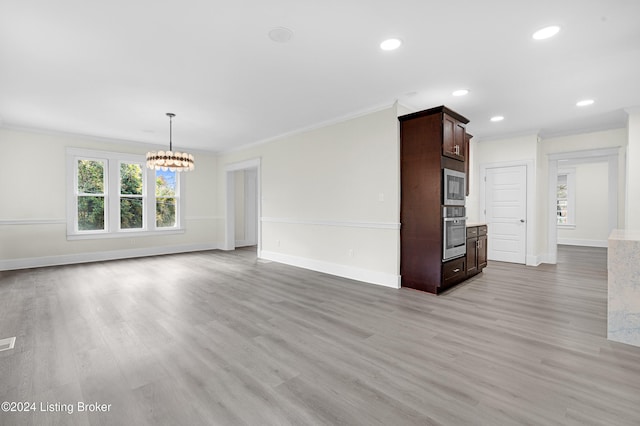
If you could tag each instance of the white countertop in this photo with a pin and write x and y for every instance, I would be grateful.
(471, 225)
(625, 234)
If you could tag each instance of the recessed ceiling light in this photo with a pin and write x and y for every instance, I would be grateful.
(390, 44)
(497, 118)
(546, 32)
(585, 102)
(460, 92)
(281, 34)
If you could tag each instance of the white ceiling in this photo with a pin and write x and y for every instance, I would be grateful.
(113, 68)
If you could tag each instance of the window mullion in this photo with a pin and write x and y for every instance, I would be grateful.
(112, 196)
(150, 199)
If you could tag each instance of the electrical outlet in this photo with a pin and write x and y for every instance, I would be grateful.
(350, 252)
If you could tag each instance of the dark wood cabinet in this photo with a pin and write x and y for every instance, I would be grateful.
(467, 144)
(453, 272)
(423, 136)
(476, 249)
(454, 136)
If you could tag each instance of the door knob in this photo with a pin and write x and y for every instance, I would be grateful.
(522, 220)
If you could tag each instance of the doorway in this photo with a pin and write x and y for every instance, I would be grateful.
(506, 207)
(506, 213)
(242, 221)
(567, 159)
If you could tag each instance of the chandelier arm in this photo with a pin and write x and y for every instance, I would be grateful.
(170, 132)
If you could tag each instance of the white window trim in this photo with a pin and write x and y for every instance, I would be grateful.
(571, 198)
(112, 194)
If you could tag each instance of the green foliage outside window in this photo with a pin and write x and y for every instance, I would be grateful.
(90, 195)
(166, 201)
(131, 186)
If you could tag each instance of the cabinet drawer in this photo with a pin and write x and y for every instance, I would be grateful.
(482, 230)
(472, 232)
(453, 272)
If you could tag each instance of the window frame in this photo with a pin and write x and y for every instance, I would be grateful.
(112, 161)
(142, 196)
(77, 194)
(571, 198)
(177, 196)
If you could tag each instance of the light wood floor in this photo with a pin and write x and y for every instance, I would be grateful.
(220, 338)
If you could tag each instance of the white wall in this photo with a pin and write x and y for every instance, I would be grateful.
(578, 143)
(239, 207)
(632, 212)
(33, 204)
(497, 151)
(330, 197)
(591, 209)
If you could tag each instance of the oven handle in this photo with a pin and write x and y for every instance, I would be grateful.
(454, 219)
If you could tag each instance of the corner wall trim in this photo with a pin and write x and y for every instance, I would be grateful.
(344, 271)
(68, 259)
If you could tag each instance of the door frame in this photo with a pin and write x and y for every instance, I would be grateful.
(230, 221)
(609, 155)
(530, 240)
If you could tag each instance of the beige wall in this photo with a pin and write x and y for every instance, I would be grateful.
(498, 151)
(239, 205)
(591, 227)
(33, 204)
(330, 197)
(608, 139)
(632, 212)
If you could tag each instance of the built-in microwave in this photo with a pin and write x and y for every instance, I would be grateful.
(453, 187)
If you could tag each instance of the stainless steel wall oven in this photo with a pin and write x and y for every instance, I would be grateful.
(454, 241)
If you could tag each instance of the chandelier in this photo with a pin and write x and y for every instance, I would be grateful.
(170, 160)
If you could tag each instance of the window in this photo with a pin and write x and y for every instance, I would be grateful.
(565, 198)
(131, 196)
(115, 195)
(166, 198)
(90, 195)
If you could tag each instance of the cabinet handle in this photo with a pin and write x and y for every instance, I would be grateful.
(455, 271)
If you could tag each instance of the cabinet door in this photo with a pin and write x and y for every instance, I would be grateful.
(453, 137)
(472, 256)
(467, 159)
(482, 251)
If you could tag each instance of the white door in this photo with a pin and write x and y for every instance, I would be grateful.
(506, 208)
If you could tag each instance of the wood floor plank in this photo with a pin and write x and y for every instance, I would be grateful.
(222, 338)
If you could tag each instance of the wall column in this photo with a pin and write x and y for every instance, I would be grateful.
(632, 202)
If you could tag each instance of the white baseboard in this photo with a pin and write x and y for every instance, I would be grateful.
(67, 259)
(540, 259)
(245, 243)
(583, 243)
(359, 274)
